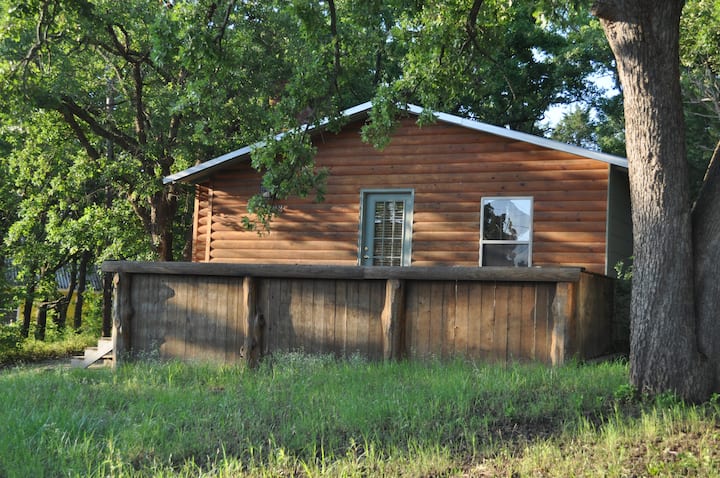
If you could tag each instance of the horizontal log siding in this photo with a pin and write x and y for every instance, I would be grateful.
(450, 168)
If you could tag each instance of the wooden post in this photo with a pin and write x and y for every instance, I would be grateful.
(122, 316)
(563, 312)
(393, 319)
(255, 324)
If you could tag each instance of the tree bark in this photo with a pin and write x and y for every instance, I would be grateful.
(664, 344)
(63, 304)
(82, 281)
(41, 321)
(706, 241)
(27, 309)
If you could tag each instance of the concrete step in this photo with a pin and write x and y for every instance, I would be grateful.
(94, 354)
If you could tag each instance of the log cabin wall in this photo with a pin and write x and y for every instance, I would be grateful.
(200, 311)
(450, 168)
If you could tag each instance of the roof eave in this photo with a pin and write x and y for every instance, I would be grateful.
(199, 171)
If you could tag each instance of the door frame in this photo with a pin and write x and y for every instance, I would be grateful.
(405, 194)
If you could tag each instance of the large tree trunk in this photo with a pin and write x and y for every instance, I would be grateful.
(664, 343)
(706, 240)
(163, 209)
(157, 215)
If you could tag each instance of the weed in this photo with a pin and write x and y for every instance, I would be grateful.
(318, 416)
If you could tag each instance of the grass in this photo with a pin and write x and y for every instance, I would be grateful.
(314, 416)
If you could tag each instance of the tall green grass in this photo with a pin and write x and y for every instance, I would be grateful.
(314, 416)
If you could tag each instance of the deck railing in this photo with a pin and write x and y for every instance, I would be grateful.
(232, 312)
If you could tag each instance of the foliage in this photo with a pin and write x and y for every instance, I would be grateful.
(316, 416)
(140, 89)
(137, 88)
(15, 349)
(498, 62)
(700, 60)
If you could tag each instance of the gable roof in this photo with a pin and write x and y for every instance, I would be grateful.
(201, 170)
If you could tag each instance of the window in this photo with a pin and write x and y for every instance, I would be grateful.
(386, 234)
(506, 231)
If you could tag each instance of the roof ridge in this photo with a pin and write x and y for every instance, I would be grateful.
(201, 169)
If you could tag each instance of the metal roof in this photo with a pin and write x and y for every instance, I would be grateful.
(203, 169)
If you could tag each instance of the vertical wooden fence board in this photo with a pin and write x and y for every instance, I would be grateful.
(318, 315)
(563, 311)
(228, 318)
(211, 329)
(218, 324)
(501, 325)
(297, 325)
(474, 347)
(363, 320)
(328, 313)
(411, 315)
(461, 318)
(173, 344)
(514, 320)
(144, 304)
(283, 318)
(424, 319)
(486, 336)
(528, 327)
(236, 328)
(309, 320)
(191, 312)
(353, 317)
(263, 307)
(542, 320)
(436, 319)
(122, 316)
(341, 318)
(449, 318)
(377, 303)
(194, 317)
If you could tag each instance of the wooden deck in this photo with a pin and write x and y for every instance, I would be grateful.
(203, 311)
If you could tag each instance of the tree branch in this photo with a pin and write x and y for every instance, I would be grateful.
(124, 141)
(226, 21)
(141, 121)
(471, 22)
(336, 44)
(609, 10)
(79, 133)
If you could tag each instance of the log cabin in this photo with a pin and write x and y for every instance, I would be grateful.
(456, 192)
(457, 239)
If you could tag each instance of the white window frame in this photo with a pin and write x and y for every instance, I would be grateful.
(484, 242)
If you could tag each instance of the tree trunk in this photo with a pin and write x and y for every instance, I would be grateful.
(158, 221)
(706, 241)
(664, 344)
(63, 305)
(82, 281)
(27, 309)
(41, 321)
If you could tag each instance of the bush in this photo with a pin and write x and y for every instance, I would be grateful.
(10, 337)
